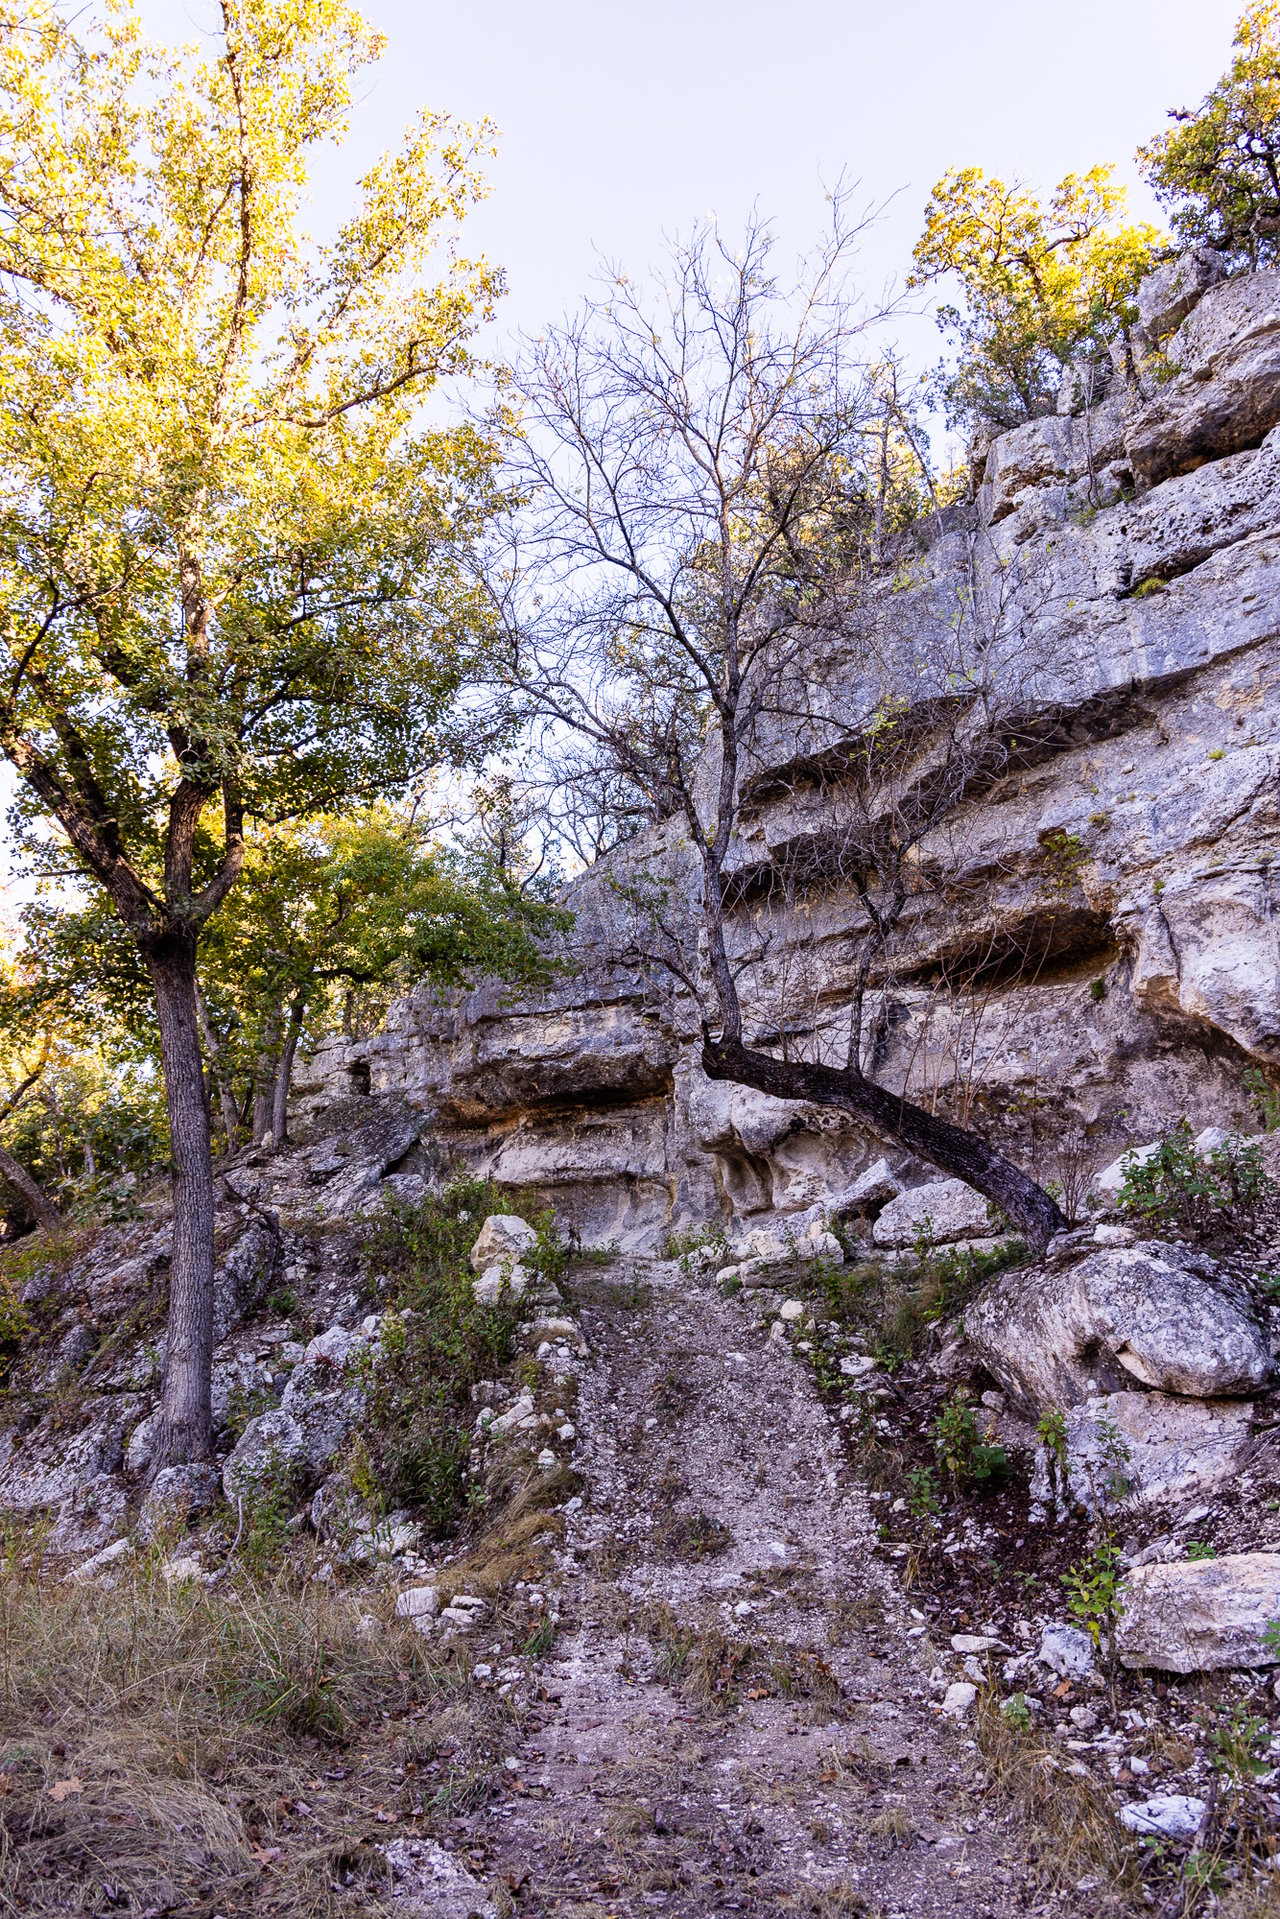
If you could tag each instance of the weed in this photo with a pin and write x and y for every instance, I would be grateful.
(922, 1495)
(965, 1456)
(696, 1536)
(1174, 1188)
(541, 1639)
(1093, 1598)
(1097, 990)
(1016, 1712)
(1197, 1549)
(245, 1403)
(1266, 1098)
(418, 1436)
(283, 1302)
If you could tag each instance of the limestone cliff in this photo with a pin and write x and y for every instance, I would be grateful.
(1132, 853)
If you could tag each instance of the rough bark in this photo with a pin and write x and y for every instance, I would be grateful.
(951, 1148)
(186, 1414)
(284, 1073)
(32, 1191)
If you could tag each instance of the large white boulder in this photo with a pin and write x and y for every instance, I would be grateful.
(1156, 1313)
(946, 1209)
(502, 1241)
(1153, 1446)
(1201, 1615)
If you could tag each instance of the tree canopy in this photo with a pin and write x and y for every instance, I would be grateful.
(1042, 286)
(1218, 167)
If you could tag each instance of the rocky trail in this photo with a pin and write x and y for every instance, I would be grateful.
(737, 1716)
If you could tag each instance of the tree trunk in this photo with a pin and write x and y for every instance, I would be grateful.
(186, 1413)
(32, 1191)
(957, 1152)
(213, 1051)
(284, 1072)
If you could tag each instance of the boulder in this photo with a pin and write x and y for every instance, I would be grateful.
(176, 1495)
(270, 1445)
(503, 1239)
(490, 1285)
(1155, 1312)
(1153, 1446)
(243, 1276)
(1202, 1615)
(946, 1209)
(873, 1188)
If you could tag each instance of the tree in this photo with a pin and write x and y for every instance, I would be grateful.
(1042, 287)
(691, 548)
(1218, 168)
(343, 911)
(226, 531)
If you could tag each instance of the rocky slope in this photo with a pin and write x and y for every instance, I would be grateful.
(1135, 550)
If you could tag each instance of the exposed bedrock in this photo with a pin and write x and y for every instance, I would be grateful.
(1117, 893)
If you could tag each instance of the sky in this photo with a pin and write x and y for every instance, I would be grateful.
(622, 122)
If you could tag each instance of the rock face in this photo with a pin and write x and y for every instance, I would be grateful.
(1156, 1314)
(1202, 1615)
(1134, 546)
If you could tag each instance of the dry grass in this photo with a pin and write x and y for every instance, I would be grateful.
(242, 1749)
(1071, 1819)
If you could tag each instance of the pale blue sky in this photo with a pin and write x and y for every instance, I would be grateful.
(620, 121)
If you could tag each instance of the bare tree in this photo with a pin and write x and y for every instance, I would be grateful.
(699, 620)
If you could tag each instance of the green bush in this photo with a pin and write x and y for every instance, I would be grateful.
(965, 1455)
(420, 1388)
(1177, 1190)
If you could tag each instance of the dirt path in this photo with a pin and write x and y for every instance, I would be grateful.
(738, 1715)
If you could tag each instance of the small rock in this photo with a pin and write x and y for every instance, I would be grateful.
(959, 1698)
(417, 1602)
(109, 1556)
(1083, 1718)
(1067, 1651)
(791, 1310)
(1172, 1815)
(1106, 1235)
(857, 1365)
(976, 1642)
(185, 1566)
(502, 1239)
(547, 1461)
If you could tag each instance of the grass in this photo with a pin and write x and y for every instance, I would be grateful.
(244, 1749)
(893, 1309)
(1071, 1819)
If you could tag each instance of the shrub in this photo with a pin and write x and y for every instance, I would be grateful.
(965, 1455)
(420, 1389)
(1176, 1189)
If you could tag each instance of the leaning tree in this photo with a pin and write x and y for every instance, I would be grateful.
(702, 622)
(227, 530)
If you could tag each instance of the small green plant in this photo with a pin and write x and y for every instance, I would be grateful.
(1238, 1743)
(965, 1454)
(1093, 1597)
(1197, 1549)
(1097, 990)
(266, 1513)
(1113, 1456)
(922, 1495)
(1265, 1097)
(1218, 753)
(1271, 1635)
(1148, 587)
(1064, 855)
(245, 1403)
(541, 1639)
(1016, 1712)
(283, 1302)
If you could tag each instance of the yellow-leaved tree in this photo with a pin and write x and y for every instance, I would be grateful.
(1041, 286)
(229, 586)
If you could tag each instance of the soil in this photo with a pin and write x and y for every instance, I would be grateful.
(738, 1715)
